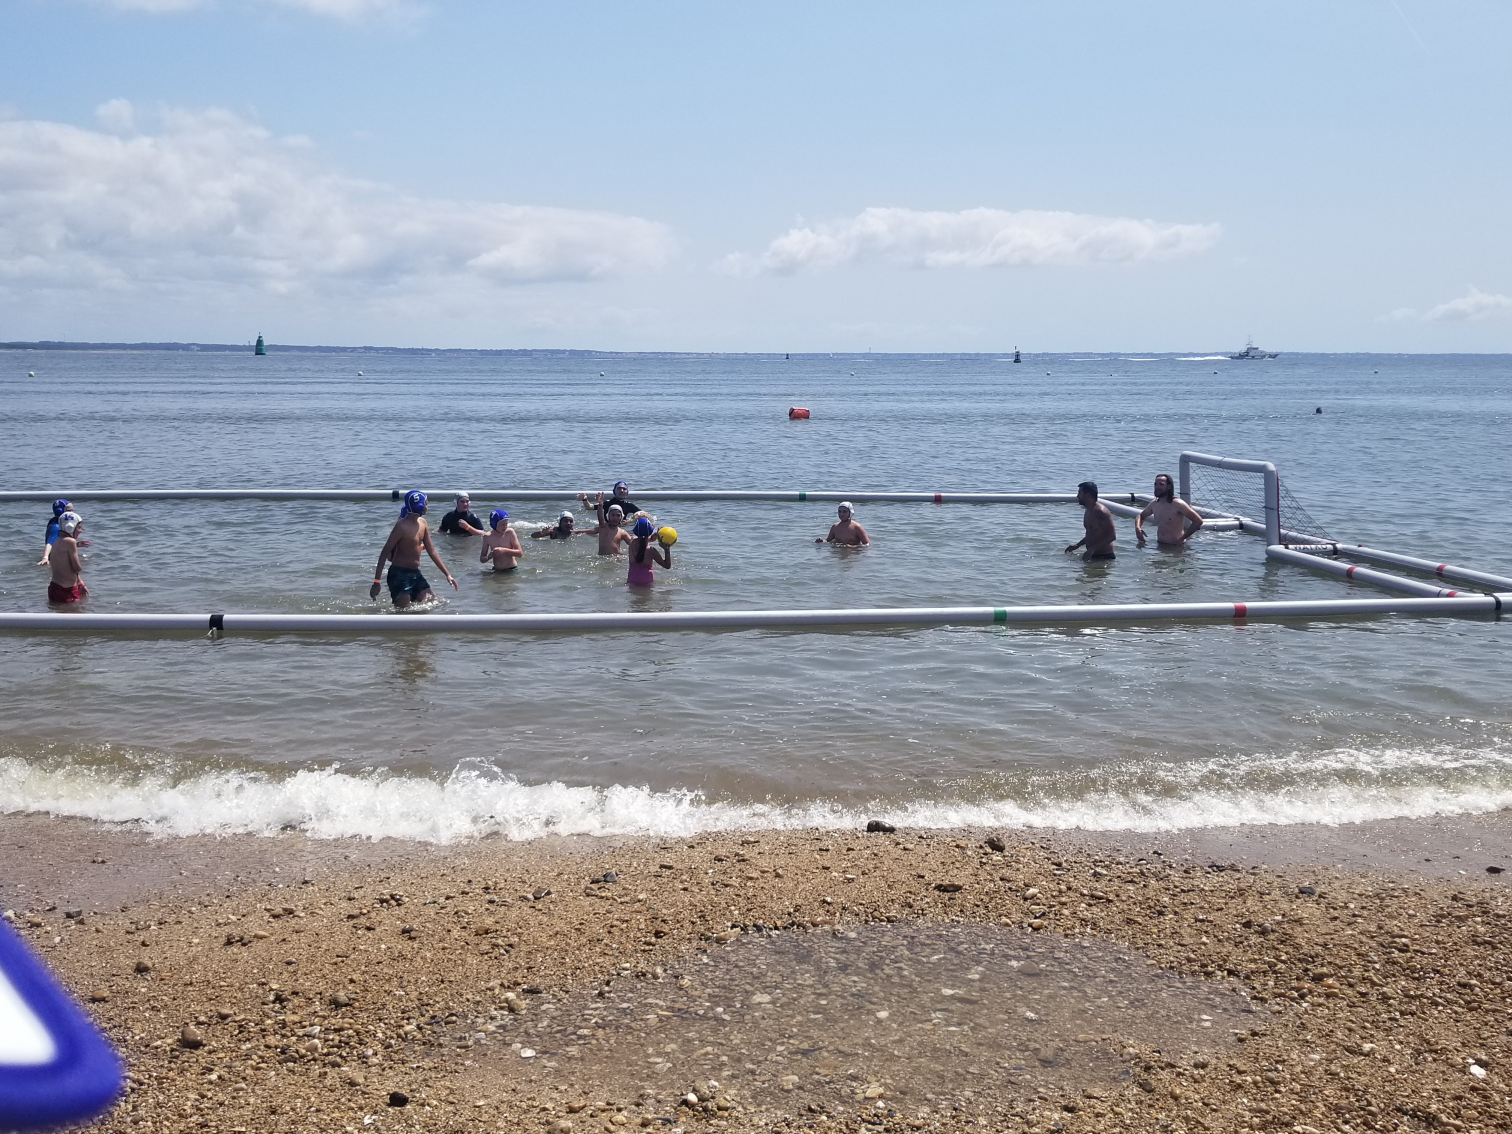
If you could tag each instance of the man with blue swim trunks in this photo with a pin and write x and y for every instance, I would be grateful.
(410, 535)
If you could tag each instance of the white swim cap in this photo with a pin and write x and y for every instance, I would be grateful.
(566, 516)
(847, 506)
(461, 496)
(69, 522)
(615, 508)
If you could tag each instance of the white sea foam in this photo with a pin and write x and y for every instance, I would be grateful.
(1340, 786)
(1202, 358)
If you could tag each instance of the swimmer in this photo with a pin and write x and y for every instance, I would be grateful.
(59, 507)
(409, 536)
(562, 530)
(67, 584)
(845, 531)
(1098, 524)
(620, 496)
(610, 536)
(460, 520)
(1176, 521)
(501, 544)
(643, 555)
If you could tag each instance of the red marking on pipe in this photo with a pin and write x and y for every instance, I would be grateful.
(1349, 572)
(1450, 594)
(939, 499)
(1240, 610)
(1439, 570)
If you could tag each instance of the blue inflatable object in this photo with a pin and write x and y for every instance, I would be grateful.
(55, 1067)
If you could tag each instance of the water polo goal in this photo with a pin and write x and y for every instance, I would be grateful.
(1229, 493)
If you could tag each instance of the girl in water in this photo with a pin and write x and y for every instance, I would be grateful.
(500, 543)
(643, 554)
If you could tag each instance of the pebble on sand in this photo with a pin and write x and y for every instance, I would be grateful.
(878, 827)
(398, 1098)
(191, 1038)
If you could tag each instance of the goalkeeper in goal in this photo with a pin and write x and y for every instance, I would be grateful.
(1176, 521)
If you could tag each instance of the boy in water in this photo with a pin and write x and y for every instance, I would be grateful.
(409, 536)
(845, 531)
(1172, 515)
(562, 530)
(608, 528)
(501, 544)
(1097, 522)
(67, 584)
(59, 507)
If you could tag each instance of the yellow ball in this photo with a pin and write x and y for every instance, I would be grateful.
(666, 536)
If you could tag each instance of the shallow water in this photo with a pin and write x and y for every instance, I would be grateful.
(1141, 727)
(908, 1015)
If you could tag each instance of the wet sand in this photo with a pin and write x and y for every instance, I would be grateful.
(1301, 979)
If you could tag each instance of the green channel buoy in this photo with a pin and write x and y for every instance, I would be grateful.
(259, 348)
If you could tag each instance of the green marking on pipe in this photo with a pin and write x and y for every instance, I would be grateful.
(999, 614)
(802, 496)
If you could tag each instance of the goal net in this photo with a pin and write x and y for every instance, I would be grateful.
(1251, 491)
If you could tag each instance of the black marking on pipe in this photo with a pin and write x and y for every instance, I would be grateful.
(217, 624)
(393, 494)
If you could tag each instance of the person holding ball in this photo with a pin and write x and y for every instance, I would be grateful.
(643, 555)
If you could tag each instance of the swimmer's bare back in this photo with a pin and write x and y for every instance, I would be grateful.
(846, 533)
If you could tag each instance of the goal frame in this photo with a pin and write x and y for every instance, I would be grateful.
(1234, 464)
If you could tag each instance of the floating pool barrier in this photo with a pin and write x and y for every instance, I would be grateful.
(217, 625)
(1229, 493)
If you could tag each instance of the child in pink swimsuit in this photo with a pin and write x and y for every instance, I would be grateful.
(642, 554)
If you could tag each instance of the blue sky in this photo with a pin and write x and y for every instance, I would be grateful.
(821, 176)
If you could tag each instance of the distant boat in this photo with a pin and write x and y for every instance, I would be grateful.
(1252, 351)
(259, 348)
(1016, 357)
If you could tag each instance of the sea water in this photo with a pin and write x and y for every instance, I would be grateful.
(446, 737)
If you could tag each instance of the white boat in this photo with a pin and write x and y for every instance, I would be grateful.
(1252, 351)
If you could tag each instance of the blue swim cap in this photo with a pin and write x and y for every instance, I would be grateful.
(60, 506)
(495, 516)
(644, 526)
(414, 503)
(621, 484)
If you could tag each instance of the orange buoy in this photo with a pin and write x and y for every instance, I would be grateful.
(797, 413)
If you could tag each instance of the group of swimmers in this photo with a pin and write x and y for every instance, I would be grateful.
(648, 546)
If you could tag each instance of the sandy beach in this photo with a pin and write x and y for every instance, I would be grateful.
(1300, 979)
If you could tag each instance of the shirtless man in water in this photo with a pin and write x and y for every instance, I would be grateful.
(845, 531)
(67, 585)
(410, 535)
(1097, 522)
(1176, 521)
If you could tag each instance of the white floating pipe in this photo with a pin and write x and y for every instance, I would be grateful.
(1442, 570)
(419, 623)
(1359, 574)
(394, 495)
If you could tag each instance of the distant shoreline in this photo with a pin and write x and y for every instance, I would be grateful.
(579, 352)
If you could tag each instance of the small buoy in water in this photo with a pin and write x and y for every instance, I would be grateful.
(359, 374)
(601, 373)
(1318, 410)
(31, 373)
(797, 413)
(853, 373)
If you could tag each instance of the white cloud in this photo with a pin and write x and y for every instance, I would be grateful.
(977, 238)
(1475, 306)
(340, 9)
(213, 202)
